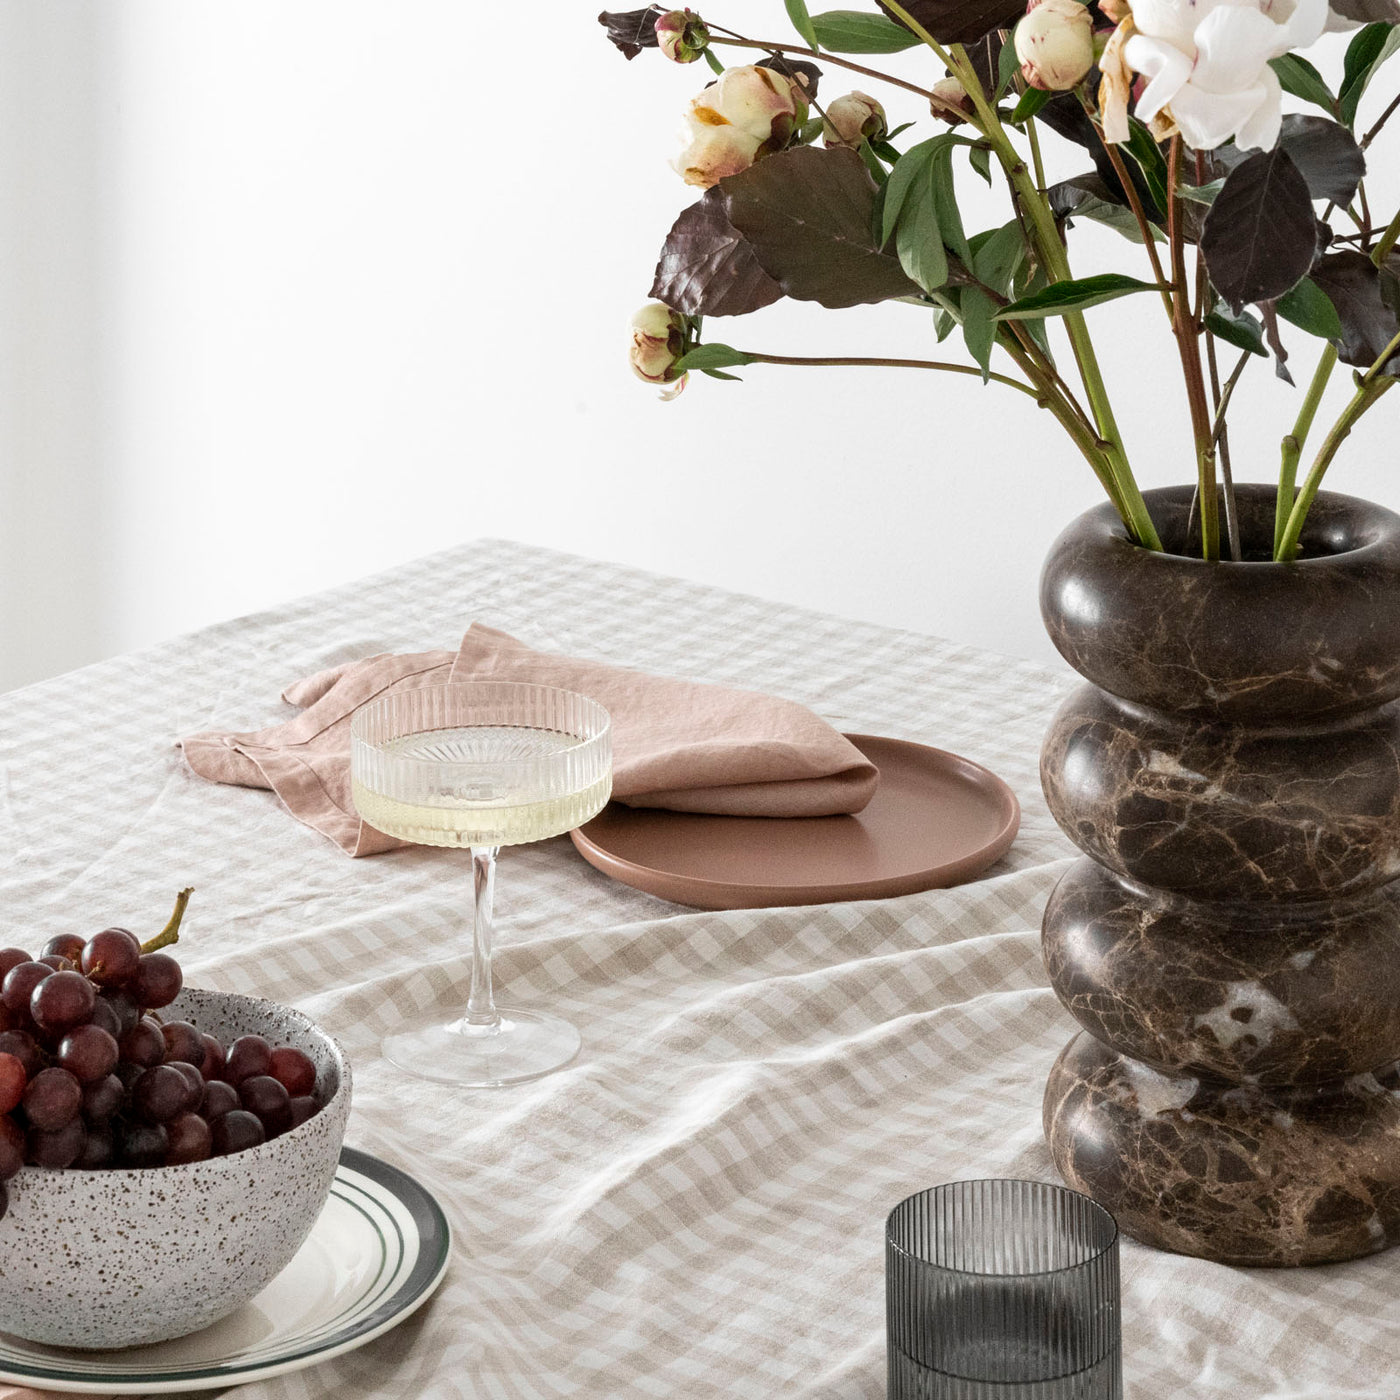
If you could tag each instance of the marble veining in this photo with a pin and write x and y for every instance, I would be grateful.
(1231, 941)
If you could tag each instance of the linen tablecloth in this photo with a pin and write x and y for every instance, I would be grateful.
(695, 1208)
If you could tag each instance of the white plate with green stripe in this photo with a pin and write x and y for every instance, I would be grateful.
(376, 1253)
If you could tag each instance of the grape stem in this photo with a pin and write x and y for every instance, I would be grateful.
(171, 932)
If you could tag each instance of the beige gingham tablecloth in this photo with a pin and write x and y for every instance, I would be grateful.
(695, 1208)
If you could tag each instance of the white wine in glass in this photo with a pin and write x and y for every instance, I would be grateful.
(481, 764)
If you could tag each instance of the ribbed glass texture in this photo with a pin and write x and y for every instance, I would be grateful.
(481, 763)
(1002, 1290)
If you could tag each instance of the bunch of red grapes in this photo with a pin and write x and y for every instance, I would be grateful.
(90, 1078)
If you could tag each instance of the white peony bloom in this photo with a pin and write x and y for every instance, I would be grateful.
(1207, 64)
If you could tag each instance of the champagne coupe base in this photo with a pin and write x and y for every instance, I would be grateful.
(481, 765)
(522, 1045)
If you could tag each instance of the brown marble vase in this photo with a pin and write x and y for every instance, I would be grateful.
(1230, 942)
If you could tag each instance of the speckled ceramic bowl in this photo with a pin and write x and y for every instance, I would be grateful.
(119, 1258)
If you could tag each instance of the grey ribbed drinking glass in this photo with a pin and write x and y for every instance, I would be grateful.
(481, 764)
(1002, 1290)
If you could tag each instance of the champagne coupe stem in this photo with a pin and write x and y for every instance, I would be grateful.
(482, 1015)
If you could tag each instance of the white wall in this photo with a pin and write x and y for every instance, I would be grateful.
(365, 274)
(50, 528)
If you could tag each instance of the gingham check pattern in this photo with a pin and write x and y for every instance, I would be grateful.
(695, 1208)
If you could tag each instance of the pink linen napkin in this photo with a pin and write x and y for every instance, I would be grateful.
(678, 744)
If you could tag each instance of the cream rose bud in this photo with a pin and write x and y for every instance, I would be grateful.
(656, 343)
(682, 36)
(1055, 43)
(852, 118)
(733, 119)
(950, 101)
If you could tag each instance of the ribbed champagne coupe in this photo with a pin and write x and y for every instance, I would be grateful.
(481, 764)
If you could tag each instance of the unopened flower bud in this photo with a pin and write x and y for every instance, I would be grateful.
(851, 119)
(1055, 43)
(658, 338)
(682, 36)
(950, 101)
(747, 113)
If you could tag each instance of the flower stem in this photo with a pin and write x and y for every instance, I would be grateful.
(1220, 438)
(1292, 445)
(1057, 401)
(1149, 237)
(1381, 121)
(1188, 345)
(1045, 236)
(737, 42)
(1388, 239)
(762, 359)
(1369, 389)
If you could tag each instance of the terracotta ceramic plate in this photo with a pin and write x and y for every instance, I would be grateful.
(935, 820)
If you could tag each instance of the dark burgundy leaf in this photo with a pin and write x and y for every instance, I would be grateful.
(1326, 153)
(796, 68)
(1064, 114)
(960, 21)
(706, 267)
(1368, 11)
(1260, 236)
(808, 215)
(1359, 291)
(632, 30)
(1067, 196)
(985, 56)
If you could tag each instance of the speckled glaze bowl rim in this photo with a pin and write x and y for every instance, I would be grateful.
(37, 1178)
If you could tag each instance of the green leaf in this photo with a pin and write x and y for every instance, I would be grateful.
(1088, 197)
(1299, 78)
(998, 257)
(1143, 148)
(808, 131)
(854, 31)
(1244, 332)
(979, 313)
(1311, 310)
(981, 159)
(802, 21)
(720, 374)
(712, 355)
(716, 67)
(943, 324)
(910, 168)
(1032, 100)
(1082, 292)
(945, 198)
(919, 235)
(872, 162)
(1007, 67)
(1370, 47)
(1201, 194)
